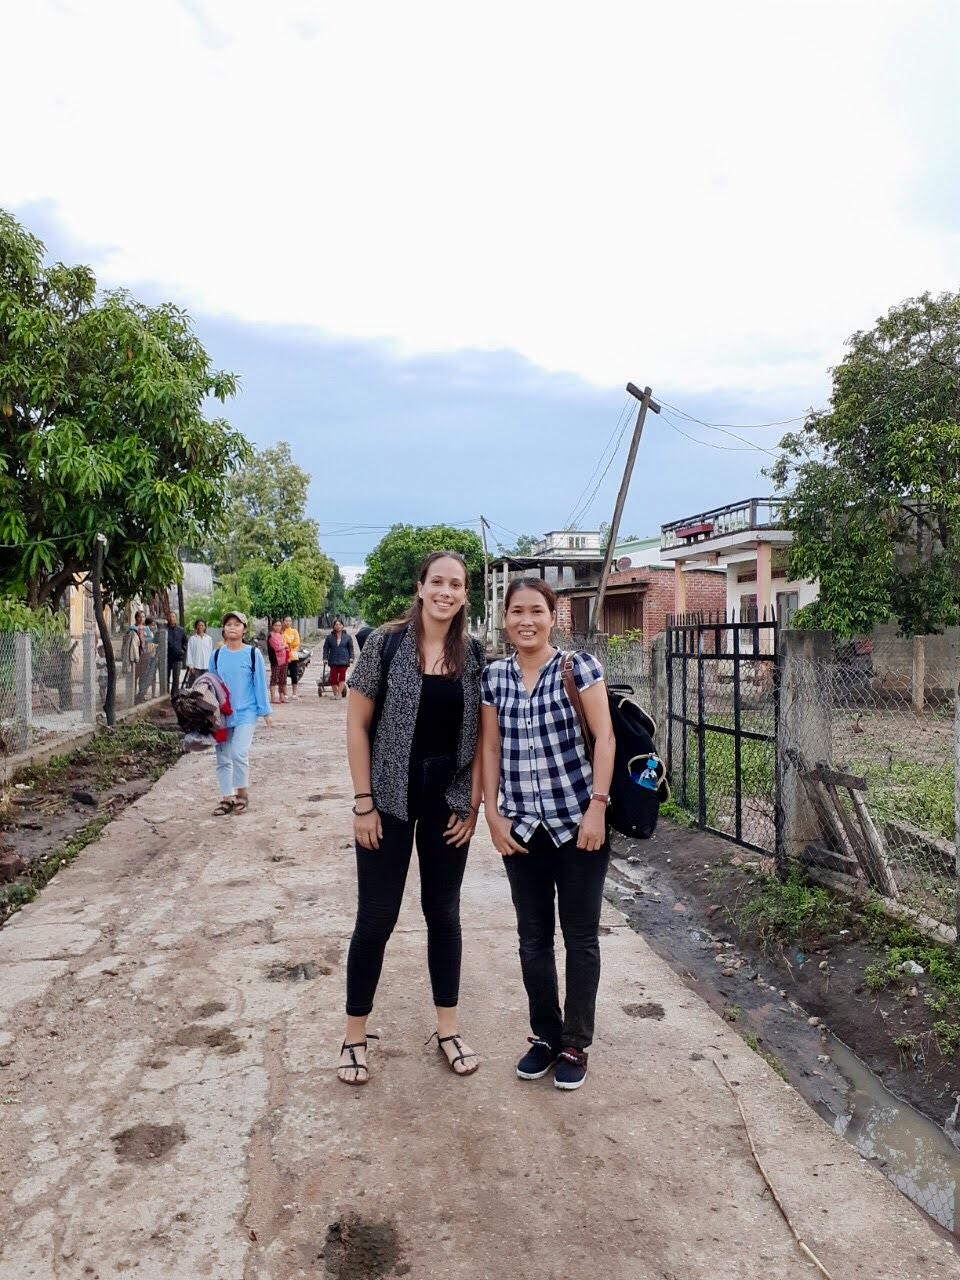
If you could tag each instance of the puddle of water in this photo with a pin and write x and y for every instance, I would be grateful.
(918, 1158)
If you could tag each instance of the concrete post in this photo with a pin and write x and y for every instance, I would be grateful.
(88, 657)
(805, 673)
(658, 688)
(23, 677)
(918, 674)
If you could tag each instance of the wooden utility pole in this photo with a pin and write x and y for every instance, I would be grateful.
(486, 580)
(646, 402)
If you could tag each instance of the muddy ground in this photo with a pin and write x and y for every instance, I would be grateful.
(49, 811)
(686, 894)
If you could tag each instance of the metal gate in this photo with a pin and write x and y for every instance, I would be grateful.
(722, 720)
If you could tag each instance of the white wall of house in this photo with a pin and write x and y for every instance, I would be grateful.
(737, 592)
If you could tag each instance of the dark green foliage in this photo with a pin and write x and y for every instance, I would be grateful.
(102, 428)
(875, 506)
(388, 585)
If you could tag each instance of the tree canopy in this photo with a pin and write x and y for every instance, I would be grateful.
(266, 520)
(102, 429)
(389, 582)
(278, 590)
(874, 480)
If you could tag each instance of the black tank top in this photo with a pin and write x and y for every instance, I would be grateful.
(439, 718)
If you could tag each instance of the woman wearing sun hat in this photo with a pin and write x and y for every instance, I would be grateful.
(241, 668)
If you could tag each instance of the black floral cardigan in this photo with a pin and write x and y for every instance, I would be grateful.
(393, 742)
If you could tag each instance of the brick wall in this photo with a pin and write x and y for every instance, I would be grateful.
(706, 592)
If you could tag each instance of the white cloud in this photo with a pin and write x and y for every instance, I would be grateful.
(700, 195)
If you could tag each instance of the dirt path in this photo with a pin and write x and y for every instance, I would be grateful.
(169, 1013)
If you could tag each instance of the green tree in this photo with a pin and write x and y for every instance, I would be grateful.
(337, 603)
(524, 546)
(388, 584)
(231, 591)
(266, 519)
(102, 429)
(874, 480)
(278, 590)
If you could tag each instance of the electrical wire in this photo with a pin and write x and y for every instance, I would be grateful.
(741, 426)
(576, 513)
(746, 447)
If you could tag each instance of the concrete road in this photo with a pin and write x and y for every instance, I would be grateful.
(170, 1012)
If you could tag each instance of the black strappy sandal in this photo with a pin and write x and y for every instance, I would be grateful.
(353, 1065)
(460, 1055)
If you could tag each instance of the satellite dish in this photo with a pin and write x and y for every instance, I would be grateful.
(624, 563)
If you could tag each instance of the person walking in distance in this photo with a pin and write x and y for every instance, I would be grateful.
(338, 653)
(291, 638)
(412, 728)
(199, 649)
(176, 654)
(241, 668)
(546, 809)
(279, 658)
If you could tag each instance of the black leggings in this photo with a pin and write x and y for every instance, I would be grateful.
(381, 876)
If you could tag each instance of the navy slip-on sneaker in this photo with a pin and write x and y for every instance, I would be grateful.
(571, 1069)
(537, 1061)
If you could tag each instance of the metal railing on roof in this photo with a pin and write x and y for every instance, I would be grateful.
(735, 517)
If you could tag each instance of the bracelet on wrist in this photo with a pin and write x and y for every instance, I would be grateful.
(598, 795)
(362, 813)
(363, 795)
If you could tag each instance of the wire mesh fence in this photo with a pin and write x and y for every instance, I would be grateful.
(55, 685)
(721, 731)
(625, 661)
(883, 781)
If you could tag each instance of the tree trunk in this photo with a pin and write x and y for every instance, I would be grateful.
(110, 699)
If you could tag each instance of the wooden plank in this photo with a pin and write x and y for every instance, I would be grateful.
(853, 834)
(818, 855)
(879, 864)
(839, 778)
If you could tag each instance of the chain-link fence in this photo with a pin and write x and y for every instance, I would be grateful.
(624, 661)
(880, 770)
(56, 685)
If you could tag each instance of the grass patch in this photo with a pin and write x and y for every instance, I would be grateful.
(126, 748)
(910, 791)
(680, 817)
(791, 911)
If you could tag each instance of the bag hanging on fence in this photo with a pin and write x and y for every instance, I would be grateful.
(639, 783)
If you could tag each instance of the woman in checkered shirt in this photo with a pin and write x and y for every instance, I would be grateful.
(546, 808)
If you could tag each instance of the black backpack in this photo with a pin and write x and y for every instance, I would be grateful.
(639, 782)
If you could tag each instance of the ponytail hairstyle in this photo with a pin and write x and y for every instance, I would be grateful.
(455, 644)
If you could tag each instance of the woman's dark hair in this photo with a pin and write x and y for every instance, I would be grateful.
(138, 614)
(531, 584)
(455, 645)
(198, 621)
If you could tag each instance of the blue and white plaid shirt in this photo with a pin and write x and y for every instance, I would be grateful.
(545, 773)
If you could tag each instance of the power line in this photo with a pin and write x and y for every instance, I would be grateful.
(576, 514)
(745, 444)
(742, 426)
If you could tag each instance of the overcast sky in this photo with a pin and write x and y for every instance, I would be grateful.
(435, 240)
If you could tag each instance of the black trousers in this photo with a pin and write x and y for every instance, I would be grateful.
(173, 676)
(576, 878)
(381, 877)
